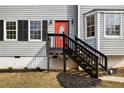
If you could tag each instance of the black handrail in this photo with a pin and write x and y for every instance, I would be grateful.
(77, 39)
(88, 53)
(92, 57)
(102, 58)
(52, 43)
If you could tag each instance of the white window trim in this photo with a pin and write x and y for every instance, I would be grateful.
(91, 37)
(29, 30)
(106, 36)
(79, 32)
(98, 32)
(5, 33)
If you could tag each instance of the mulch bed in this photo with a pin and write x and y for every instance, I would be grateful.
(69, 80)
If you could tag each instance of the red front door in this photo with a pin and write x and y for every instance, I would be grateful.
(60, 27)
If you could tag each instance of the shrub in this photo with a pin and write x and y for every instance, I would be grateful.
(10, 69)
(38, 69)
(25, 69)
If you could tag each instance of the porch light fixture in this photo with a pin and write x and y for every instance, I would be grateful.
(50, 22)
(72, 21)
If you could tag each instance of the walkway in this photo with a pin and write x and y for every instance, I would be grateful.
(113, 78)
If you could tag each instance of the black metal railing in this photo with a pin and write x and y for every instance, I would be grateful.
(68, 46)
(55, 43)
(102, 59)
(82, 53)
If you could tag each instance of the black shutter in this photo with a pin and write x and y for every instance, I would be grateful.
(1, 30)
(44, 30)
(22, 30)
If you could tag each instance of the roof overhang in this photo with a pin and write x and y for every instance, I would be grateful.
(104, 11)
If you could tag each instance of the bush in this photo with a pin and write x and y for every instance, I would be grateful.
(10, 69)
(25, 69)
(38, 69)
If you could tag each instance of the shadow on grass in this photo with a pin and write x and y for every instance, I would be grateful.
(77, 79)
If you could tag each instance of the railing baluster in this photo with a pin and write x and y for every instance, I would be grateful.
(54, 42)
(106, 67)
(91, 56)
(102, 63)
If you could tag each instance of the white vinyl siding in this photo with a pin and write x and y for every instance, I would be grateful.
(91, 39)
(83, 30)
(22, 48)
(109, 46)
(36, 12)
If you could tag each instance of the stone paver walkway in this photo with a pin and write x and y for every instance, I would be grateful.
(113, 78)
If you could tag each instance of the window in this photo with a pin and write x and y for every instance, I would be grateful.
(35, 30)
(10, 30)
(90, 26)
(112, 24)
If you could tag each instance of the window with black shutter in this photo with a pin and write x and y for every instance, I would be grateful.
(22, 30)
(35, 30)
(1, 30)
(11, 30)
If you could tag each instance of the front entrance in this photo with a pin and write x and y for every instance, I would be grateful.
(60, 28)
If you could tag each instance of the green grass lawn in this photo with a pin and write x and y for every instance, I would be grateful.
(42, 80)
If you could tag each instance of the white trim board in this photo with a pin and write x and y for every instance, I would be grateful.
(79, 30)
(98, 32)
(98, 11)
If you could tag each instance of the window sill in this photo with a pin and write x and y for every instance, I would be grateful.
(34, 40)
(112, 36)
(90, 37)
(10, 40)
